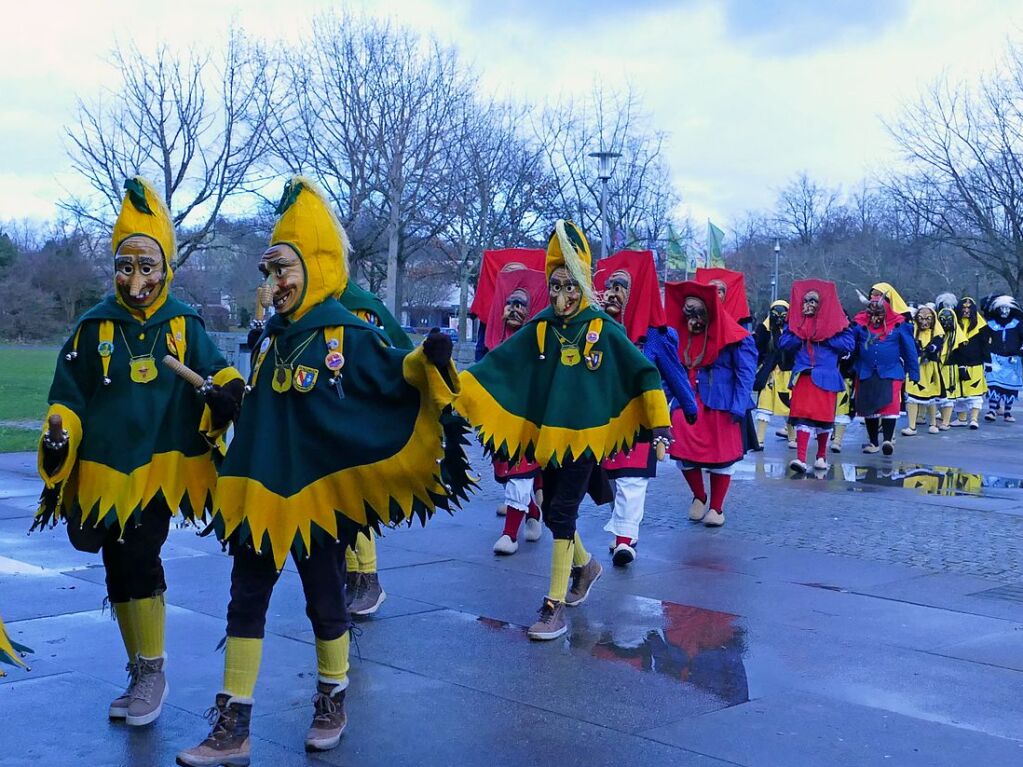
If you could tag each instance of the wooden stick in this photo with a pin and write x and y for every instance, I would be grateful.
(56, 427)
(661, 449)
(184, 371)
(264, 297)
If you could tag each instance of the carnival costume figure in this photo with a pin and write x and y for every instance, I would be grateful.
(819, 337)
(885, 357)
(627, 286)
(567, 390)
(494, 263)
(519, 295)
(774, 368)
(948, 370)
(128, 444)
(971, 355)
(359, 444)
(1004, 373)
(927, 392)
(721, 359)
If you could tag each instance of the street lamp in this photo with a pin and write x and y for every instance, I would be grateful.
(774, 282)
(604, 173)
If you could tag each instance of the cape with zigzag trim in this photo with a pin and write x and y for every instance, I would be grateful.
(545, 410)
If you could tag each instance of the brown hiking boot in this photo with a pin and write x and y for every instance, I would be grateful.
(351, 587)
(148, 693)
(119, 707)
(368, 595)
(228, 741)
(583, 578)
(551, 623)
(329, 718)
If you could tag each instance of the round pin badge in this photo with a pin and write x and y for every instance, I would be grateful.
(333, 344)
(264, 346)
(105, 348)
(592, 337)
(334, 361)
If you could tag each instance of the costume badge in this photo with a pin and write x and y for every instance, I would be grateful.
(143, 369)
(105, 348)
(592, 337)
(265, 345)
(333, 343)
(172, 347)
(570, 356)
(282, 379)
(593, 360)
(305, 378)
(334, 361)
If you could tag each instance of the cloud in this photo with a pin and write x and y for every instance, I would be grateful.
(785, 27)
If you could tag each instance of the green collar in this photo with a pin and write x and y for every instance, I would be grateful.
(110, 309)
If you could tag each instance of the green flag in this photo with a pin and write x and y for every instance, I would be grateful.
(675, 253)
(715, 240)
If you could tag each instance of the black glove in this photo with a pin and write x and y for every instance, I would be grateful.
(663, 432)
(437, 347)
(253, 338)
(690, 418)
(225, 402)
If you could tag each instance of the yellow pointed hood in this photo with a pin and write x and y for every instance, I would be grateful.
(308, 225)
(143, 212)
(568, 247)
(894, 299)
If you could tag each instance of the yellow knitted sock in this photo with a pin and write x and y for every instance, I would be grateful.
(561, 569)
(580, 556)
(332, 659)
(241, 666)
(150, 619)
(351, 561)
(366, 551)
(126, 623)
(912, 411)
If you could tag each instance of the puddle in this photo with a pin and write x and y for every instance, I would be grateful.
(923, 478)
(688, 644)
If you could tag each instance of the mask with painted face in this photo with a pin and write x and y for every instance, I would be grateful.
(565, 293)
(779, 316)
(721, 288)
(695, 312)
(876, 311)
(924, 318)
(967, 308)
(616, 294)
(811, 303)
(947, 319)
(139, 272)
(285, 275)
(515, 309)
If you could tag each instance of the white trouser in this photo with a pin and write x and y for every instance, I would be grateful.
(517, 492)
(966, 404)
(630, 498)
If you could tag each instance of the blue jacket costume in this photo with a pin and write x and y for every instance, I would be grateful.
(726, 383)
(823, 362)
(661, 348)
(893, 357)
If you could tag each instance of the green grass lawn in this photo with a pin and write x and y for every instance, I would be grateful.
(25, 375)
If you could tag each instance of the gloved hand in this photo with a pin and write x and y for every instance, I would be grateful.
(55, 444)
(437, 347)
(253, 337)
(225, 402)
(690, 418)
(663, 433)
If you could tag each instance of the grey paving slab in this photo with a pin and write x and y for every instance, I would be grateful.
(585, 682)
(401, 718)
(807, 730)
(949, 591)
(1004, 649)
(22, 507)
(49, 722)
(30, 591)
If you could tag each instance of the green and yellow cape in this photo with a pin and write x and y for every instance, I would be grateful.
(10, 652)
(525, 401)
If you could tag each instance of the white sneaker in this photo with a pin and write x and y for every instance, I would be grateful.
(868, 448)
(502, 510)
(697, 510)
(974, 425)
(505, 545)
(909, 432)
(797, 466)
(820, 464)
(534, 530)
(836, 447)
(714, 518)
(933, 430)
(792, 445)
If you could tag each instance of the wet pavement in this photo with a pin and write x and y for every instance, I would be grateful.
(871, 615)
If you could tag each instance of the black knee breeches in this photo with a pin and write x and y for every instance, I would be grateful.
(252, 582)
(133, 566)
(563, 490)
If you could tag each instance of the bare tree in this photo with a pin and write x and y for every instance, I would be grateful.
(804, 206)
(196, 127)
(965, 151)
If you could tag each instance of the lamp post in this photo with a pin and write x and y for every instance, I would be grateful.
(604, 174)
(774, 282)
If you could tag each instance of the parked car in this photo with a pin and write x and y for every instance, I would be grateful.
(451, 332)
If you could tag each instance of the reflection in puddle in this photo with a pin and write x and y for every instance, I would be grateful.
(930, 480)
(701, 647)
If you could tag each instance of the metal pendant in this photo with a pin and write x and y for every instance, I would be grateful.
(143, 369)
(570, 355)
(282, 379)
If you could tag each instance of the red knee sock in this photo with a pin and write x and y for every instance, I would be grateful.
(534, 511)
(822, 444)
(802, 441)
(719, 489)
(620, 539)
(695, 479)
(512, 522)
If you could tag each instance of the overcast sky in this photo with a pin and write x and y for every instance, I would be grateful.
(750, 91)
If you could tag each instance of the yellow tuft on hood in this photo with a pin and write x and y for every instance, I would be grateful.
(894, 299)
(143, 212)
(568, 247)
(308, 225)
